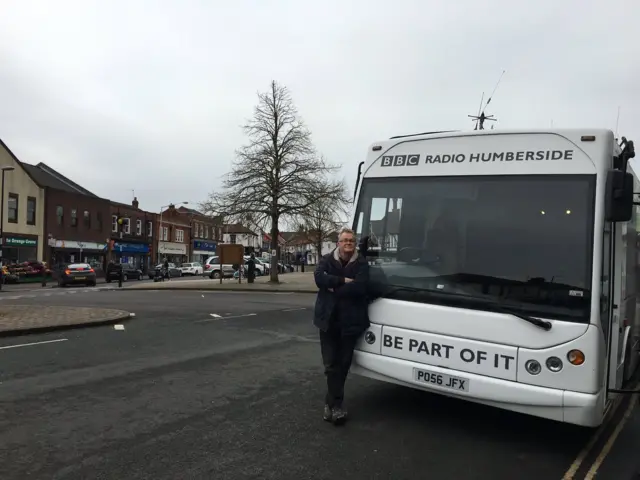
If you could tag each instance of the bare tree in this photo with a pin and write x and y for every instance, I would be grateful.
(278, 174)
(323, 218)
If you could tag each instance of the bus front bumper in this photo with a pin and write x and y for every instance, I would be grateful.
(585, 409)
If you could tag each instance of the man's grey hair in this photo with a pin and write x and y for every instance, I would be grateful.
(346, 230)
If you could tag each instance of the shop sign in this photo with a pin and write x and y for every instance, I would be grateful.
(20, 242)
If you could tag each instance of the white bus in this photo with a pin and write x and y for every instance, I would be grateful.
(506, 266)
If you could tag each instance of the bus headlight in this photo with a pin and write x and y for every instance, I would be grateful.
(370, 338)
(554, 364)
(533, 367)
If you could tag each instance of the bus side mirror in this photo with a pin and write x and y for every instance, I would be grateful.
(618, 200)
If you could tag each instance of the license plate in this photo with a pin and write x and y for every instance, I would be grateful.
(458, 384)
(79, 278)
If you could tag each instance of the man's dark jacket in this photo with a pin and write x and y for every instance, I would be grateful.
(347, 300)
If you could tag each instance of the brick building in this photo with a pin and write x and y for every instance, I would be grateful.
(132, 238)
(205, 234)
(76, 221)
(174, 236)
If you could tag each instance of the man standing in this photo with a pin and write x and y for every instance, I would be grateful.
(341, 316)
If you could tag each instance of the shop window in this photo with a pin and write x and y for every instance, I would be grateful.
(60, 215)
(74, 217)
(87, 219)
(31, 210)
(13, 208)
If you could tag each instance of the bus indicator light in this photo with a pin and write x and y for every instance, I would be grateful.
(575, 357)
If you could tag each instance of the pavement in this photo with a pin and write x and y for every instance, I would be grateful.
(20, 319)
(288, 282)
(221, 384)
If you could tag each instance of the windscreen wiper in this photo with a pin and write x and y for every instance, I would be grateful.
(496, 304)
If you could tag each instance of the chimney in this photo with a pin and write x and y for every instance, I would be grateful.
(135, 202)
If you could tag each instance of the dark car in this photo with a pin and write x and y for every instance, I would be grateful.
(129, 272)
(77, 274)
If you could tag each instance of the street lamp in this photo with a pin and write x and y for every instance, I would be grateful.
(7, 168)
(161, 210)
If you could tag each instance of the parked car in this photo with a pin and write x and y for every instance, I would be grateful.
(77, 274)
(173, 270)
(129, 272)
(212, 268)
(194, 268)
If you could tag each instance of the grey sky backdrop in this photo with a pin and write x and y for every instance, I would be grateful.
(150, 95)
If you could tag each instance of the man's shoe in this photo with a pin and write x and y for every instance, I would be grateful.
(328, 413)
(339, 416)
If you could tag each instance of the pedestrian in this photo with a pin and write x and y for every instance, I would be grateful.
(341, 316)
(166, 269)
(251, 268)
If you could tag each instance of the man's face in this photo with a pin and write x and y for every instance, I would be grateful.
(346, 243)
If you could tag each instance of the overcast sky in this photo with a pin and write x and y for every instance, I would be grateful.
(150, 95)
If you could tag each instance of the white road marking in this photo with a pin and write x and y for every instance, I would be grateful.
(294, 309)
(118, 327)
(215, 315)
(224, 318)
(34, 343)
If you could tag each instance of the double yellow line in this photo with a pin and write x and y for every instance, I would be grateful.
(606, 448)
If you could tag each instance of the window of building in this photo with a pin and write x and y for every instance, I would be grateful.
(233, 238)
(99, 220)
(74, 217)
(179, 235)
(206, 231)
(126, 224)
(149, 229)
(60, 215)
(87, 219)
(114, 223)
(164, 233)
(138, 227)
(13, 208)
(31, 210)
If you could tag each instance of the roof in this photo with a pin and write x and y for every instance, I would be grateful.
(22, 165)
(237, 228)
(46, 176)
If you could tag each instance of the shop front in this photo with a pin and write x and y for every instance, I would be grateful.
(135, 254)
(72, 251)
(174, 252)
(202, 250)
(19, 248)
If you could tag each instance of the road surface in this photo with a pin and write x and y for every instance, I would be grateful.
(229, 385)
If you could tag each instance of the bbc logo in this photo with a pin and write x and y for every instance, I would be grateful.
(400, 160)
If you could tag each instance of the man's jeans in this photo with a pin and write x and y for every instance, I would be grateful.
(337, 354)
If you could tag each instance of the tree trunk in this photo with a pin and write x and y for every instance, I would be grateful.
(273, 276)
(318, 252)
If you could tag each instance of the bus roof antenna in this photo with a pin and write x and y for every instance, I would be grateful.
(481, 117)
